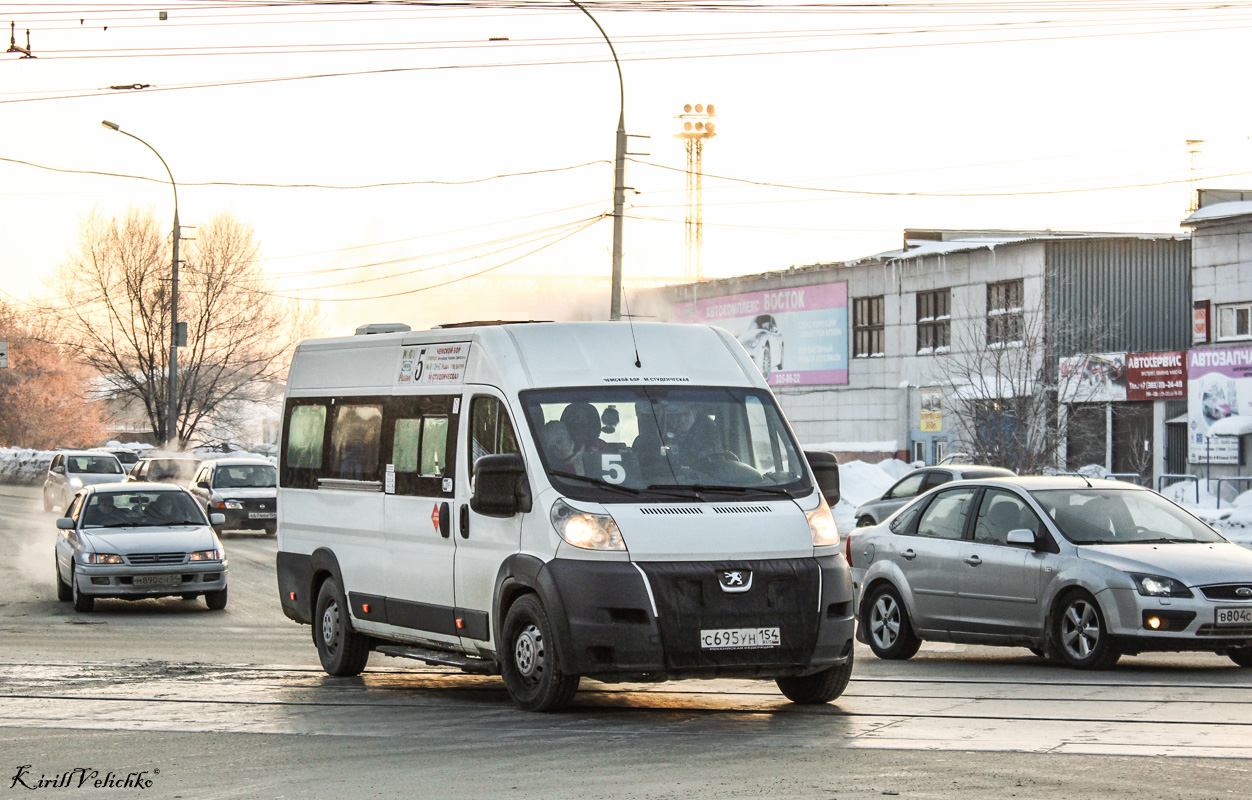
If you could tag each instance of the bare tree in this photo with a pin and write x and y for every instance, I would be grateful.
(45, 394)
(1005, 387)
(112, 298)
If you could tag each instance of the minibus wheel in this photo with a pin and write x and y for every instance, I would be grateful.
(820, 687)
(342, 650)
(529, 661)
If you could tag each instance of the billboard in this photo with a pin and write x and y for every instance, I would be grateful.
(1219, 385)
(796, 337)
(932, 410)
(1094, 378)
(1156, 376)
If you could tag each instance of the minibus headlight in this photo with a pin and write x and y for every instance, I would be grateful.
(822, 526)
(584, 530)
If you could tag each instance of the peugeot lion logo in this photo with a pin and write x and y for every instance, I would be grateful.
(735, 580)
(1243, 591)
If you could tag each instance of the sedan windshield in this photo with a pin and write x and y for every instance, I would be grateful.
(1121, 516)
(245, 476)
(665, 443)
(141, 509)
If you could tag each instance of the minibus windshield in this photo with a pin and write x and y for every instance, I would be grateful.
(617, 444)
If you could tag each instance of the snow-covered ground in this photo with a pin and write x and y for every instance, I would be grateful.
(858, 482)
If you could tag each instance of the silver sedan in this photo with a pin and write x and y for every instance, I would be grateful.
(130, 541)
(1077, 570)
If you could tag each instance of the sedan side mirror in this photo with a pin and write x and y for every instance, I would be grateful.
(65, 524)
(1022, 536)
(500, 486)
(59, 470)
(203, 484)
(217, 519)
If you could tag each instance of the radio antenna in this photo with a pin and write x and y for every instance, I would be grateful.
(630, 319)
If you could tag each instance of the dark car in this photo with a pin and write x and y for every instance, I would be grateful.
(244, 490)
(917, 482)
(167, 469)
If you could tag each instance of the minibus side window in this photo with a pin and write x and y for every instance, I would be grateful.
(490, 430)
(304, 436)
(354, 442)
(421, 431)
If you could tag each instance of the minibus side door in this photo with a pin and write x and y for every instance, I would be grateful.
(483, 543)
(419, 487)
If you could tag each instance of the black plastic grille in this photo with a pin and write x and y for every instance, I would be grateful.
(689, 598)
(156, 558)
(1228, 591)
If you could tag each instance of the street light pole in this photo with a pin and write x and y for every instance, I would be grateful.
(171, 417)
(619, 178)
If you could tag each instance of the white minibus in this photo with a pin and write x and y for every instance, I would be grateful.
(552, 501)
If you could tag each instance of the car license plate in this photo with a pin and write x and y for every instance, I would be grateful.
(740, 639)
(157, 580)
(1234, 616)
(262, 515)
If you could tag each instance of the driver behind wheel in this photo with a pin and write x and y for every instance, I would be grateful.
(689, 437)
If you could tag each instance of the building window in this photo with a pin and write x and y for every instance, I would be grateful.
(1004, 312)
(1234, 322)
(867, 327)
(934, 321)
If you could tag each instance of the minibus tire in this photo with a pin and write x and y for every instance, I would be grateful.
(818, 688)
(342, 651)
(530, 660)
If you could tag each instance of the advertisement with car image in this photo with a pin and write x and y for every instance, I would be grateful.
(1219, 387)
(796, 337)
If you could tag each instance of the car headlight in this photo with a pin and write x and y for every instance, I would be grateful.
(822, 526)
(206, 555)
(77, 483)
(102, 558)
(234, 505)
(1159, 586)
(585, 530)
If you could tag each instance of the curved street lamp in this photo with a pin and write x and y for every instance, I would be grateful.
(619, 177)
(172, 408)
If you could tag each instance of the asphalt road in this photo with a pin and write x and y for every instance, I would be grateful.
(193, 703)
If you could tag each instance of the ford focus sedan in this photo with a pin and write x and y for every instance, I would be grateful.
(131, 541)
(1083, 571)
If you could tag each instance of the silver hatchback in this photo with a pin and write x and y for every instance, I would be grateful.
(1077, 570)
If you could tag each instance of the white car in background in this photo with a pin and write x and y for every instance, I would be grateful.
(71, 470)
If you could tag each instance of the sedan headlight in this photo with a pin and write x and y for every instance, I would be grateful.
(1158, 586)
(822, 526)
(585, 530)
(206, 555)
(77, 483)
(231, 504)
(102, 558)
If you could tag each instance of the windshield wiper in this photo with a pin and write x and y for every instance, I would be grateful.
(574, 476)
(774, 490)
(1161, 540)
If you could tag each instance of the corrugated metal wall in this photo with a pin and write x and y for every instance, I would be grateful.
(1118, 295)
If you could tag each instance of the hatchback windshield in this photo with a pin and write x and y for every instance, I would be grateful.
(141, 509)
(245, 476)
(1120, 516)
(617, 443)
(97, 465)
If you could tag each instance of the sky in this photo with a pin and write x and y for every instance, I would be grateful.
(389, 154)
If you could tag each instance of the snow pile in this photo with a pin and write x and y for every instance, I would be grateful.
(30, 467)
(859, 482)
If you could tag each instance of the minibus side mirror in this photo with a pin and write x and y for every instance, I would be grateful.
(501, 488)
(825, 468)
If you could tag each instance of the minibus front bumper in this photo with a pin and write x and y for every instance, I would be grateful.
(665, 620)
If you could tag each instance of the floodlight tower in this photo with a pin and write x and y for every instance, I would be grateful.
(697, 128)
